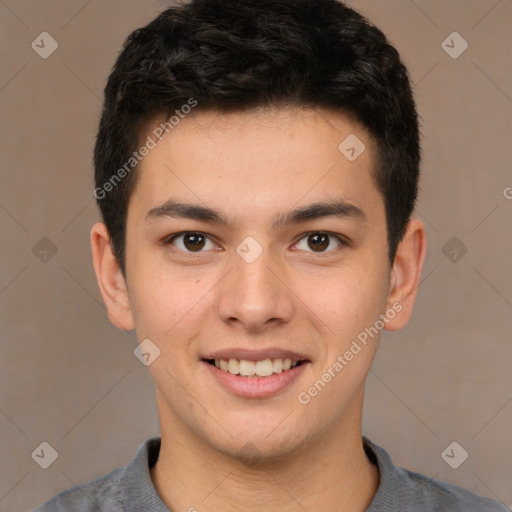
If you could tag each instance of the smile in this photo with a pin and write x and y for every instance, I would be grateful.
(256, 377)
(248, 368)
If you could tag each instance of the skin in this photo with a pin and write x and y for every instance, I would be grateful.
(221, 451)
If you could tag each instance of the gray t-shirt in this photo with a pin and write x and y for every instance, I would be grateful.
(130, 489)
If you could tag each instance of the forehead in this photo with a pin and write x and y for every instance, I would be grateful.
(259, 162)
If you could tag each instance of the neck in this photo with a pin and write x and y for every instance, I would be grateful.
(332, 473)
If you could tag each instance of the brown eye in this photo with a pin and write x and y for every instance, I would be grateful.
(319, 242)
(190, 241)
(193, 241)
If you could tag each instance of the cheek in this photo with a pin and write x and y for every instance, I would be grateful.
(166, 304)
(350, 300)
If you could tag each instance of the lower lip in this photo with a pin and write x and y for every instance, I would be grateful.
(256, 387)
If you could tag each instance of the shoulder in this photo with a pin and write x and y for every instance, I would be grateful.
(406, 491)
(443, 496)
(125, 489)
(104, 493)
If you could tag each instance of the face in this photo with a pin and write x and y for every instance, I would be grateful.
(253, 240)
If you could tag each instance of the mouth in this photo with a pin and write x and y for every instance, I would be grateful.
(255, 369)
(255, 373)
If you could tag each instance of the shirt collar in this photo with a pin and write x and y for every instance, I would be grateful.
(138, 490)
(139, 493)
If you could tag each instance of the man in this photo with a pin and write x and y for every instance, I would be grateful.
(257, 165)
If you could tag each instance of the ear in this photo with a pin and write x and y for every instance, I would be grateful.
(406, 274)
(110, 279)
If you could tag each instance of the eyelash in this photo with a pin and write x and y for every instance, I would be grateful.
(343, 242)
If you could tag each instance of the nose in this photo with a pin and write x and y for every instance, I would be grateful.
(255, 296)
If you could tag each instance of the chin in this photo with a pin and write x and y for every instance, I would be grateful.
(255, 445)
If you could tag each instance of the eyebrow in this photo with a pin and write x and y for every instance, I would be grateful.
(339, 209)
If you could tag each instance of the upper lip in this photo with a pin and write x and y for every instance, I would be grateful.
(256, 355)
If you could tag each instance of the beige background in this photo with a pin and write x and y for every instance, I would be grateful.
(70, 378)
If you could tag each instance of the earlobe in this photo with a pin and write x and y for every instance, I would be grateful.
(110, 279)
(406, 274)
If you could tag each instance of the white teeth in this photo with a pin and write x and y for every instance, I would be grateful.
(247, 368)
(278, 365)
(264, 368)
(234, 366)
